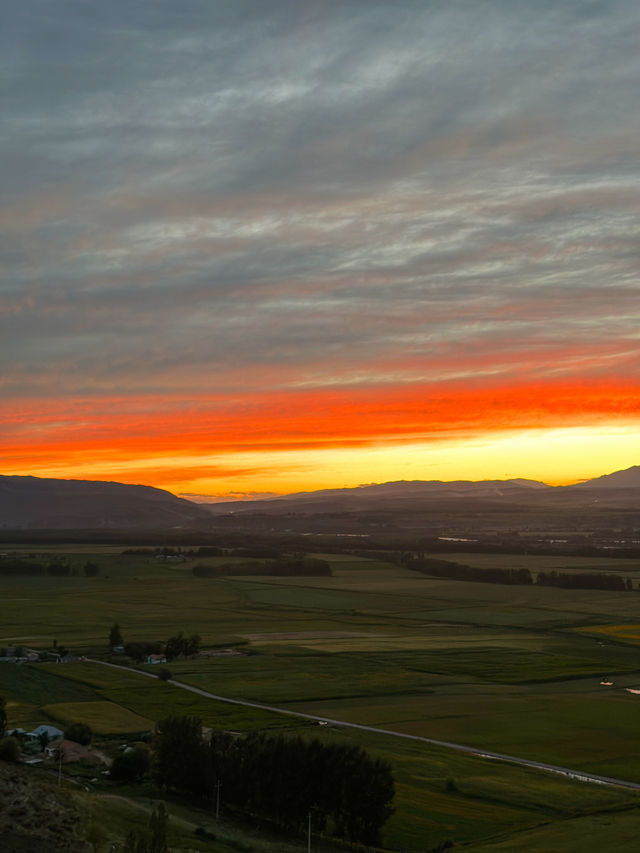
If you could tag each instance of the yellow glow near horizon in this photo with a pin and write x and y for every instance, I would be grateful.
(556, 457)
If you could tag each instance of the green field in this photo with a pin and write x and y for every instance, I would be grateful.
(511, 669)
(104, 718)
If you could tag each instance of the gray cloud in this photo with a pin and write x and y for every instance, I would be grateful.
(332, 190)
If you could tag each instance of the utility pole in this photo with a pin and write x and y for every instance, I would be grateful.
(59, 765)
(217, 799)
(309, 834)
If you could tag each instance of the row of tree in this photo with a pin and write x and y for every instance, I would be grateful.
(520, 577)
(297, 565)
(462, 572)
(258, 551)
(180, 645)
(278, 780)
(174, 647)
(584, 580)
(34, 568)
(188, 553)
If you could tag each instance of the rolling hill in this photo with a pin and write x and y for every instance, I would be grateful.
(34, 503)
(48, 504)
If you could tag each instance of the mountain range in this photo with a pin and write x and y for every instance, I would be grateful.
(35, 503)
(621, 486)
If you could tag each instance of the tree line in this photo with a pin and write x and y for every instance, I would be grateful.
(177, 645)
(277, 779)
(258, 551)
(520, 577)
(584, 580)
(166, 551)
(463, 572)
(297, 565)
(34, 568)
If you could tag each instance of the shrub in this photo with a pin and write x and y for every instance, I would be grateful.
(9, 750)
(80, 733)
(132, 765)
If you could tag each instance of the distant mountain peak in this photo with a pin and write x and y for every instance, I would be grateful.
(629, 478)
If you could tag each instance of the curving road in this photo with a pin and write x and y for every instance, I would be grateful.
(578, 775)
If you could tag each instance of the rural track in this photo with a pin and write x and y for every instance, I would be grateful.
(577, 775)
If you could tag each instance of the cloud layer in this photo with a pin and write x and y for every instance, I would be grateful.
(339, 221)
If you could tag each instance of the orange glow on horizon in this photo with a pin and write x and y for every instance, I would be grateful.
(303, 440)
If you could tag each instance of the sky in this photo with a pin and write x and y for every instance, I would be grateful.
(254, 248)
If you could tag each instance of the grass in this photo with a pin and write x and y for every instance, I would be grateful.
(592, 834)
(28, 684)
(102, 717)
(27, 688)
(571, 730)
(513, 669)
(122, 816)
(492, 798)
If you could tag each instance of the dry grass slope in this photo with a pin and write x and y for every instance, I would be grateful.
(36, 816)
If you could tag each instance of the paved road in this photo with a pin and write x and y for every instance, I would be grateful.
(470, 750)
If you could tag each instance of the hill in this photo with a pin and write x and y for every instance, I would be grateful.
(435, 506)
(388, 495)
(627, 479)
(580, 515)
(35, 815)
(34, 503)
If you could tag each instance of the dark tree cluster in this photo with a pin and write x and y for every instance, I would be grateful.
(140, 650)
(115, 635)
(278, 780)
(295, 566)
(80, 733)
(21, 567)
(179, 755)
(520, 577)
(583, 580)
(9, 750)
(188, 553)
(131, 766)
(175, 646)
(33, 568)
(181, 645)
(281, 779)
(90, 569)
(462, 572)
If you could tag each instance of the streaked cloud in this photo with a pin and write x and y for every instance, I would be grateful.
(237, 212)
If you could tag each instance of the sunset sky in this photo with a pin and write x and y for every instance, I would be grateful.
(262, 247)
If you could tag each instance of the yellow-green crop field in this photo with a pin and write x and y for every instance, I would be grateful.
(626, 633)
(517, 670)
(103, 718)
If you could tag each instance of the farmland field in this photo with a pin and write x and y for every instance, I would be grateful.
(512, 669)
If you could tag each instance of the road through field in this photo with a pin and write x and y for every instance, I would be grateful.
(578, 775)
